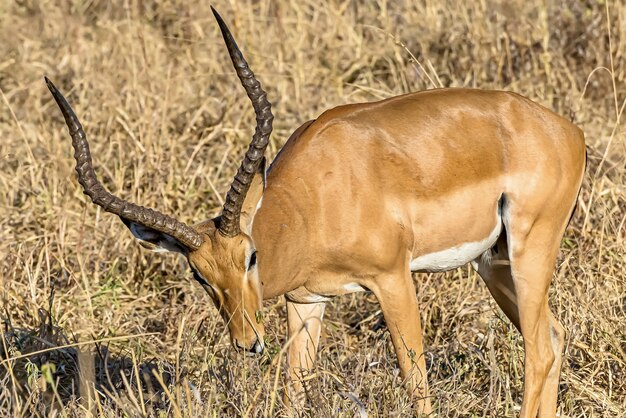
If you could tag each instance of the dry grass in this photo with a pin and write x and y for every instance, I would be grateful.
(168, 123)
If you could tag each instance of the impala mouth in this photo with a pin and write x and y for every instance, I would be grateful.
(257, 348)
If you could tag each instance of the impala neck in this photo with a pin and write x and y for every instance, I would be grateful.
(275, 224)
(272, 227)
(268, 269)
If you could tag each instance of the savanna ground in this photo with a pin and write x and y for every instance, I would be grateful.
(168, 123)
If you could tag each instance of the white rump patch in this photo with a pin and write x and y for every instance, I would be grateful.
(454, 257)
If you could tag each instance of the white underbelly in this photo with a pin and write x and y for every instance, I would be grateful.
(443, 260)
(303, 295)
(458, 256)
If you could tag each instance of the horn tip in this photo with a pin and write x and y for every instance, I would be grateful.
(220, 22)
(50, 85)
(216, 14)
(58, 97)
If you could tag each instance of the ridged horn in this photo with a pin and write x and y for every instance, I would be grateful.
(229, 225)
(129, 212)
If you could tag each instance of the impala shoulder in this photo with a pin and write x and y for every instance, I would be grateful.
(333, 127)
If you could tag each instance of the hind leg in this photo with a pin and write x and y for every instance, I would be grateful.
(549, 395)
(532, 265)
(519, 279)
(495, 270)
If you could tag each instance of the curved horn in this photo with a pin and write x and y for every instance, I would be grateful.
(129, 212)
(229, 225)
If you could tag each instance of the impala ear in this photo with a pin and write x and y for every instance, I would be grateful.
(253, 198)
(155, 240)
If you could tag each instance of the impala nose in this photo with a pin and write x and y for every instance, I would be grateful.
(256, 348)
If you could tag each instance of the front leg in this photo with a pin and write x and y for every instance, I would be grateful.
(304, 322)
(396, 295)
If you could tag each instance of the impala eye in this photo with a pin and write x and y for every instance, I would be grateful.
(252, 261)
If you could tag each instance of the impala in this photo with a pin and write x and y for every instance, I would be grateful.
(366, 194)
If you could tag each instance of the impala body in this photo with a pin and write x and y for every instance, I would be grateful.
(429, 181)
(419, 182)
(369, 193)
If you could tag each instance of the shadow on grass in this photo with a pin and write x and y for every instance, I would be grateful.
(43, 370)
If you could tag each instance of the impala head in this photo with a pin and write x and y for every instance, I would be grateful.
(220, 251)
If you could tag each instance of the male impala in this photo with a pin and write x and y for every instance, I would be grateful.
(368, 193)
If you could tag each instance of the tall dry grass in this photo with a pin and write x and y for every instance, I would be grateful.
(168, 123)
